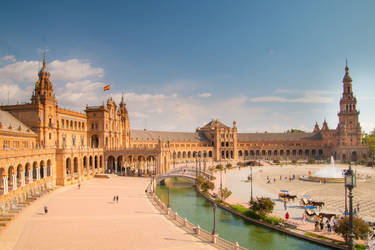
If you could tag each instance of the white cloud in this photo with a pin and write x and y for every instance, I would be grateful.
(8, 58)
(310, 96)
(205, 95)
(21, 71)
(72, 70)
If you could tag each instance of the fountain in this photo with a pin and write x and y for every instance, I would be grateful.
(327, 174)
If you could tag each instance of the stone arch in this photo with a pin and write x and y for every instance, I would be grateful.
(27, 173)
(354, 156)
(11, 172)
(210, 153)
(2, 183)
(101, 162)
(35, 169)
(110, 164)
(20, 175)
(68, 166)
(90, 163)
(179, 155)
(96, 162)
(84, 164)
(246, 153)
(119, 167)
(189, 154)
(343, 157)
(41, 169)
(184, 155)
(75, 166)
(49, 168)
(240, 153)
(94, 141)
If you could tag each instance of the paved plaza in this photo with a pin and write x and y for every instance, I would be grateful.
(87, 218)
(332, 194)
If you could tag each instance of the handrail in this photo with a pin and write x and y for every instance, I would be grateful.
(215, 240)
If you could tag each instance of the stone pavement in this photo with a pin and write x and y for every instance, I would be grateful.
(87, 218)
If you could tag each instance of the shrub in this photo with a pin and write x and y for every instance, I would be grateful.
(207, 185)
(218, 200)
(360, 228)
(272, 220)
(229, 166)
(276, 162)
(294, 162)
(311, 161)
(262, 205)
(200, 179)
(220, 167)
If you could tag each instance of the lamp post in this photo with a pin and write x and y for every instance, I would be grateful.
(251, 181)
(168, 205)
(350, 183)
(214, 211)
(196, 165)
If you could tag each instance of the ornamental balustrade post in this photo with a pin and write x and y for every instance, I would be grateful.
(214, 238)
(14, 183)
(22, 179)
(237, 246)
(5, 183)
(30, 176)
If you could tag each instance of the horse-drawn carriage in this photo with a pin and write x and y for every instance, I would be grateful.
(306, 201)
(284, 194)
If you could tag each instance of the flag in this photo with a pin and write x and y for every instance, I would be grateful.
(107, 87)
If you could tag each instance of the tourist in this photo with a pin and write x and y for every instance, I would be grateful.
(316, 226)
(117, 199)
(285, 205)
(79, 186)
(114, 199)
(45, 209)
(321, 225)
(328, 226)
(303, 218)
(358, 207)
(287, 216)
(355, 211)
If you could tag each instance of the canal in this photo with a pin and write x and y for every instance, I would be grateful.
(189, 204)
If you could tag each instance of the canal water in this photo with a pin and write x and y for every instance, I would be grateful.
(189, 204)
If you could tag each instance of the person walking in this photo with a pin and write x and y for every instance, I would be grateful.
(114, 199)
(358, 207)
(287, 216)
(328, 226)
(285, 207)
(117, 199)
(303, 218)
(321, 225)
(79, 186)
(45, 210)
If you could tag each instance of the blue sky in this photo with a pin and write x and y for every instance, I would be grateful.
(269, 65)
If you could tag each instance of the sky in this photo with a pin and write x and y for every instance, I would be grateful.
(268, 65)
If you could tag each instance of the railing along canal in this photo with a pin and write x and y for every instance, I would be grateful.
(200, 233)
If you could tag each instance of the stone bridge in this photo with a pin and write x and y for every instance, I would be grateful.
(188, 173)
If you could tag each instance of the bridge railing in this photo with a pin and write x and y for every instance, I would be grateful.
(202, 234)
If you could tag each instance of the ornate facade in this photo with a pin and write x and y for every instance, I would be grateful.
(43, 144)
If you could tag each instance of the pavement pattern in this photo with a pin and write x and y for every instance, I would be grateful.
(88, 218)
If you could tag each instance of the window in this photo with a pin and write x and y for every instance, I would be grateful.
(50, 136)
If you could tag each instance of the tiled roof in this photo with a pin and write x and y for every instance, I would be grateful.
(145, 135)
(214, 123)
(11, 124)
(244, 137)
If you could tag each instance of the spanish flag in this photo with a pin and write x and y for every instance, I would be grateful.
(107, 87)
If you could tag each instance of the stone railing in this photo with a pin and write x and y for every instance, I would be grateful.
(200, 233)
(29, 191)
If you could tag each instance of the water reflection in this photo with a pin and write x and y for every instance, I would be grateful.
(187, 203)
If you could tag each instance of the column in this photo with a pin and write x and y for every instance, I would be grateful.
(37, 174)
(5, 183)
(30, 176)
(14, 186)
(105, 166)
(115, 162)
(22, 178)
(45, 172)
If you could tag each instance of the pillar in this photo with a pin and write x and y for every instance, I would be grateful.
(115, 163)
(14, 186)
(5, 183)
(22, 178)
(45, 172)
(30, 176)
(38, 174)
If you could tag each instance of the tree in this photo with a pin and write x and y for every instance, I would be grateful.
(199, 180)
(207, 185)
(262, 206)
(360, 228)
(225, 193)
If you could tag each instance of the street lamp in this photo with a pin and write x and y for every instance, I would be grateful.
(214, 211)
(350, 183)
(168, 205)
(251, 181)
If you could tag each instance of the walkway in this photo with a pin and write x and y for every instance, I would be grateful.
(87, 218)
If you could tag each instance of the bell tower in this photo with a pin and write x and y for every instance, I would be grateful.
(349, 129)
(124, 123)
(43, 91)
